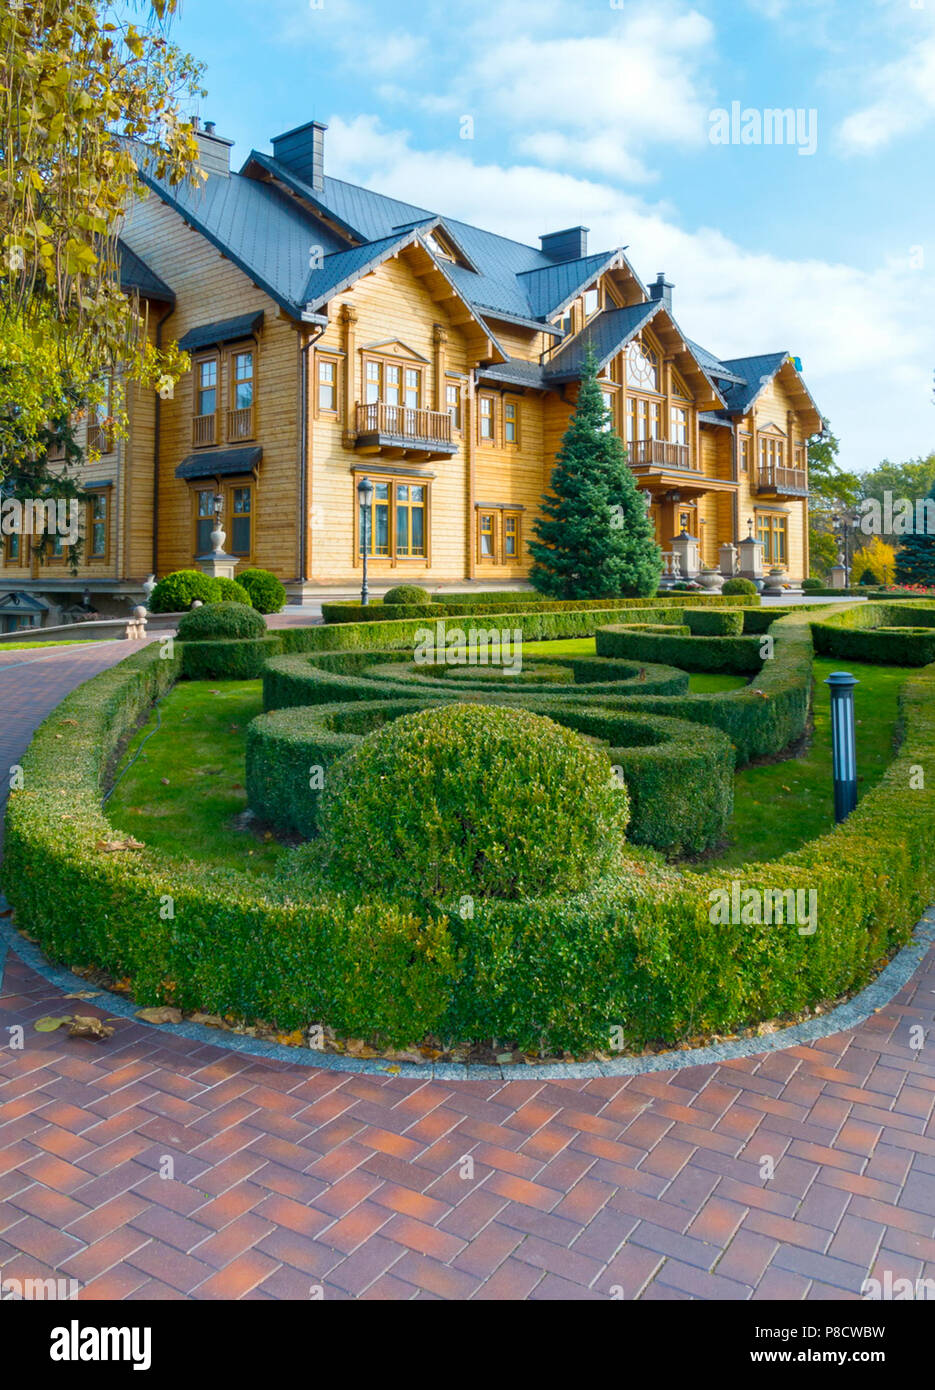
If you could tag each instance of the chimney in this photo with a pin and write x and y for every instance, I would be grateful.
(214, 152)
(303, 151)
(662, 289)
(570, 245)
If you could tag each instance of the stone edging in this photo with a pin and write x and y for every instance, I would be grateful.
(856, 1011)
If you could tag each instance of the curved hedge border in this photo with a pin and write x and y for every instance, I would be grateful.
(680, 778)
(476, 605)
(901, 635)
(737, 655)
(586, 675)
(638, 949)
(241, 659)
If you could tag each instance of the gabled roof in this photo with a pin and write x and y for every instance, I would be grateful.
(136, 275)
(713, 365)
(606, 334)
(752, 375)
(551, 287)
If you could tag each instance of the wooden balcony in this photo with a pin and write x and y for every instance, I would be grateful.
(401, 431)
(204, 429)
(240, 424)
(782, 482)
(661, 453)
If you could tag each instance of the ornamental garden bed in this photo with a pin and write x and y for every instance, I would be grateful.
(348, 944)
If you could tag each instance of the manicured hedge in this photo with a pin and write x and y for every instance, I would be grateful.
(218, 622)
(465, 604)
(714, 622)
(903, 635)
(240, 660)
(679, 776)
(739, 655)
(638, 950)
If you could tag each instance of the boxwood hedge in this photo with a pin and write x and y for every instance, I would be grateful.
(680, 778)
(453, 605)
(896, 635)
(738, 655)
(638, 949)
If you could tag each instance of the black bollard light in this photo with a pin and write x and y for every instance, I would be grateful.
(843, 742)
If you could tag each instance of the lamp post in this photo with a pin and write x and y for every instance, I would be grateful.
(844, 520)
(365, 497)
(843, 743)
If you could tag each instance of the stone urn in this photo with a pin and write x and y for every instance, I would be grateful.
(775, 580)
(710, 579)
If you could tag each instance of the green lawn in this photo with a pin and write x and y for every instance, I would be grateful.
(26, 646)
(186, 788)
(780, 806)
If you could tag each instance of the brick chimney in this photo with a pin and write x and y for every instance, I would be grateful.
(303, 151)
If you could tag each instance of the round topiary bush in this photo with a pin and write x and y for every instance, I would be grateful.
(177, 592)
(229, 591)
(221, 622)
(406, 593)
(738, 586)
(470, 799)
(809, 586)
(266, 593)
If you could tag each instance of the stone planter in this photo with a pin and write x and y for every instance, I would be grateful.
(774, 581)
(710, 579)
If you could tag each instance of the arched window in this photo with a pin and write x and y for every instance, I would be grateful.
(642, 367)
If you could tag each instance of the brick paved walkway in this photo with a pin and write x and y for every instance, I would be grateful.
(286, 1178)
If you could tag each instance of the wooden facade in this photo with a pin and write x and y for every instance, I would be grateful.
(454, 411)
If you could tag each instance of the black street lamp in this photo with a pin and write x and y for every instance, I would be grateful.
(365, 496)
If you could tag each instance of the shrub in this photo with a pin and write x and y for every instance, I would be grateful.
(406, 593)
(243, 659)
(479, 604)
(714, 622)
(229, 591)
(266, 593)
(471, 799)
(740, 655)
(219, 622)
(177, 592)
(736, 585)
(812, 585)
(891, 634)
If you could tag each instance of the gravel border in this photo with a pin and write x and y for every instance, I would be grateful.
(856, 1011)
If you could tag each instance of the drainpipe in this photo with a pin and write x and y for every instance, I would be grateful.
(156, 424)
(304, 348)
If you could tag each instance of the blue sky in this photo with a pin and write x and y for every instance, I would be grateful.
(600, 112)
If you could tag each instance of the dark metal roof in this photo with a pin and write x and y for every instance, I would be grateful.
(754, 373)
(223, 331)
(607, 333)
(516, 372)
(712, 365)
(219, 463)
(136, 275)
(551, 287)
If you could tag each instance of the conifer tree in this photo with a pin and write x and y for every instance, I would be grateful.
(595, 538)
(915, 562)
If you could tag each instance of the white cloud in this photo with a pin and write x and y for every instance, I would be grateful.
(903, 101)
(858, 332)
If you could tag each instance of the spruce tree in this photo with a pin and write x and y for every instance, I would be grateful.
(595, 538)
(915, 561)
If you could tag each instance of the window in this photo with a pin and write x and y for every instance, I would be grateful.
(566, 318)
(100, 440)
(609, 397)
(592, 302)
(679, 424)
(644, 418)
(488, 536)
(642, 367)
(97, 526)
(243, 380)
(327, 386)
(744, 453)
(487, 419)
(800, 457)
(204, 521)
(498, 536)
(13, 550)
(772, 530)
(511, 421)
(772, 453)
(410, 519)
(241, 499)
(453, 405)
(204, 429)
(413, 388)
(397, 527)
(511, 536)
(374, 381)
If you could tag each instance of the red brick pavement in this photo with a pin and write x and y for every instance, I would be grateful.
(156, 1167)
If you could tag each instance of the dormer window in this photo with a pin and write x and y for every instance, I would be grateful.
(565, 319)
(592, 302)
(438, 247)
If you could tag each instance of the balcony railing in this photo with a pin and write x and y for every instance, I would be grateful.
(204, 429)
(663, 453)
(784, 482)
(240, 424)
(403, 422)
